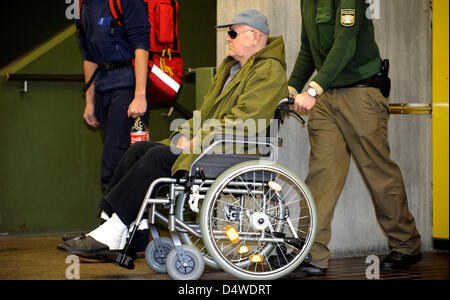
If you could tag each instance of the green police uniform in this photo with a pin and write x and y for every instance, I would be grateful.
(338, 41)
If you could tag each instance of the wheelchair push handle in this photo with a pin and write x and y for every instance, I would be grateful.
(286, 101)
(284, 105)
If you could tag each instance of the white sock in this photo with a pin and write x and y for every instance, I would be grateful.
(142, 226)
(104, 216)
(112, 233)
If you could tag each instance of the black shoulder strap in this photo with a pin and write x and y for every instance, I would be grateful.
(175, 23)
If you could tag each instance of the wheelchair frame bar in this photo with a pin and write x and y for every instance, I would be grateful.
(175, 188)
(148, 200)
(178, 222)
(252, 239)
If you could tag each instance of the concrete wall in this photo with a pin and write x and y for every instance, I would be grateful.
(403, 32)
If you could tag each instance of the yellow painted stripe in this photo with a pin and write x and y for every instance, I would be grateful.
(440, 117)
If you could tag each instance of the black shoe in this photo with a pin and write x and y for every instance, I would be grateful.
(73, 236)
(89, 249)
(86, 246)
(283, 258)
(398, 261)
(79, 235)
(278, 261)
(311, 270)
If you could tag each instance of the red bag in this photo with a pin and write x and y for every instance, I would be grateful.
(165, 62)
(165, 73)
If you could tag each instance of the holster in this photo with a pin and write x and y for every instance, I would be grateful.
(382, 80)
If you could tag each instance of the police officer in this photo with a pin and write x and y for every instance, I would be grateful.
(348, 117)
(118, 92)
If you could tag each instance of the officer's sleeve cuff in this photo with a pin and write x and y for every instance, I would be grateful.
(292, 91)
(317, 87)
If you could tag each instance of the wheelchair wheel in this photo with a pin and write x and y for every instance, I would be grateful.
(156, 260)
(187, 216)
(191, 269)
(258, 220)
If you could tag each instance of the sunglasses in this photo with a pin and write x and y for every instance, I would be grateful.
(233, 34)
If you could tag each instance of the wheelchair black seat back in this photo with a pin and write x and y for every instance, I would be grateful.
(242, 213)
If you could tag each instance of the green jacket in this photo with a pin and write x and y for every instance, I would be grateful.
(253, 93)
(338, 40)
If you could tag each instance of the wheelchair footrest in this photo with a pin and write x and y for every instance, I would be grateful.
(124, 260)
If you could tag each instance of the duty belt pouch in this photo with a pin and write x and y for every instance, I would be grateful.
(382, 80)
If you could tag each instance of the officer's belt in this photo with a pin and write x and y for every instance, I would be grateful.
(368, 82)
(380, 81)
(106, 67)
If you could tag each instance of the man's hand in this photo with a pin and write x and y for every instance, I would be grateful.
(304, 102)
(184, 143)
(138, 106)
(89, 115)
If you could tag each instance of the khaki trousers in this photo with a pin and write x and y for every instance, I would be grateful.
(353, 122)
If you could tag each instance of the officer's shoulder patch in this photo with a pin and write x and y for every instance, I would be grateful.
(347, 17)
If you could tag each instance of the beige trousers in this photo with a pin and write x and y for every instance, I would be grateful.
(353, 122)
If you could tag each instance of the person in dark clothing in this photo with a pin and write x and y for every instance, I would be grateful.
(117, 93)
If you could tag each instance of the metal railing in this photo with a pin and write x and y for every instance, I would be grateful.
(394, 108)
(79, 78)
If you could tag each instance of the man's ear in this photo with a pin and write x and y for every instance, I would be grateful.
(257, 38)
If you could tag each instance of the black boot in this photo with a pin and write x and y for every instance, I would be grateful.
(311, 270)
(398, 261)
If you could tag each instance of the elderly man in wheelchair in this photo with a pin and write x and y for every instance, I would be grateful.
(228, 204)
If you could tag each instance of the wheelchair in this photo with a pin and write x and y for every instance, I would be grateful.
(241, 213)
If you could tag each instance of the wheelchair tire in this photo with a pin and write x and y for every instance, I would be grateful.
(182, 212)
(156, 262)
(192, 270)
(265, 228)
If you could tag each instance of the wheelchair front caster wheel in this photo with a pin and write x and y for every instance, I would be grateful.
(191, 267)
(156, 260)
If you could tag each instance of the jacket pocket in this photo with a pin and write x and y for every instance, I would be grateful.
(325, 24)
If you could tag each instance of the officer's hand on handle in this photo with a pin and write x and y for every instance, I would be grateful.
(304, 102)
(137, 107)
